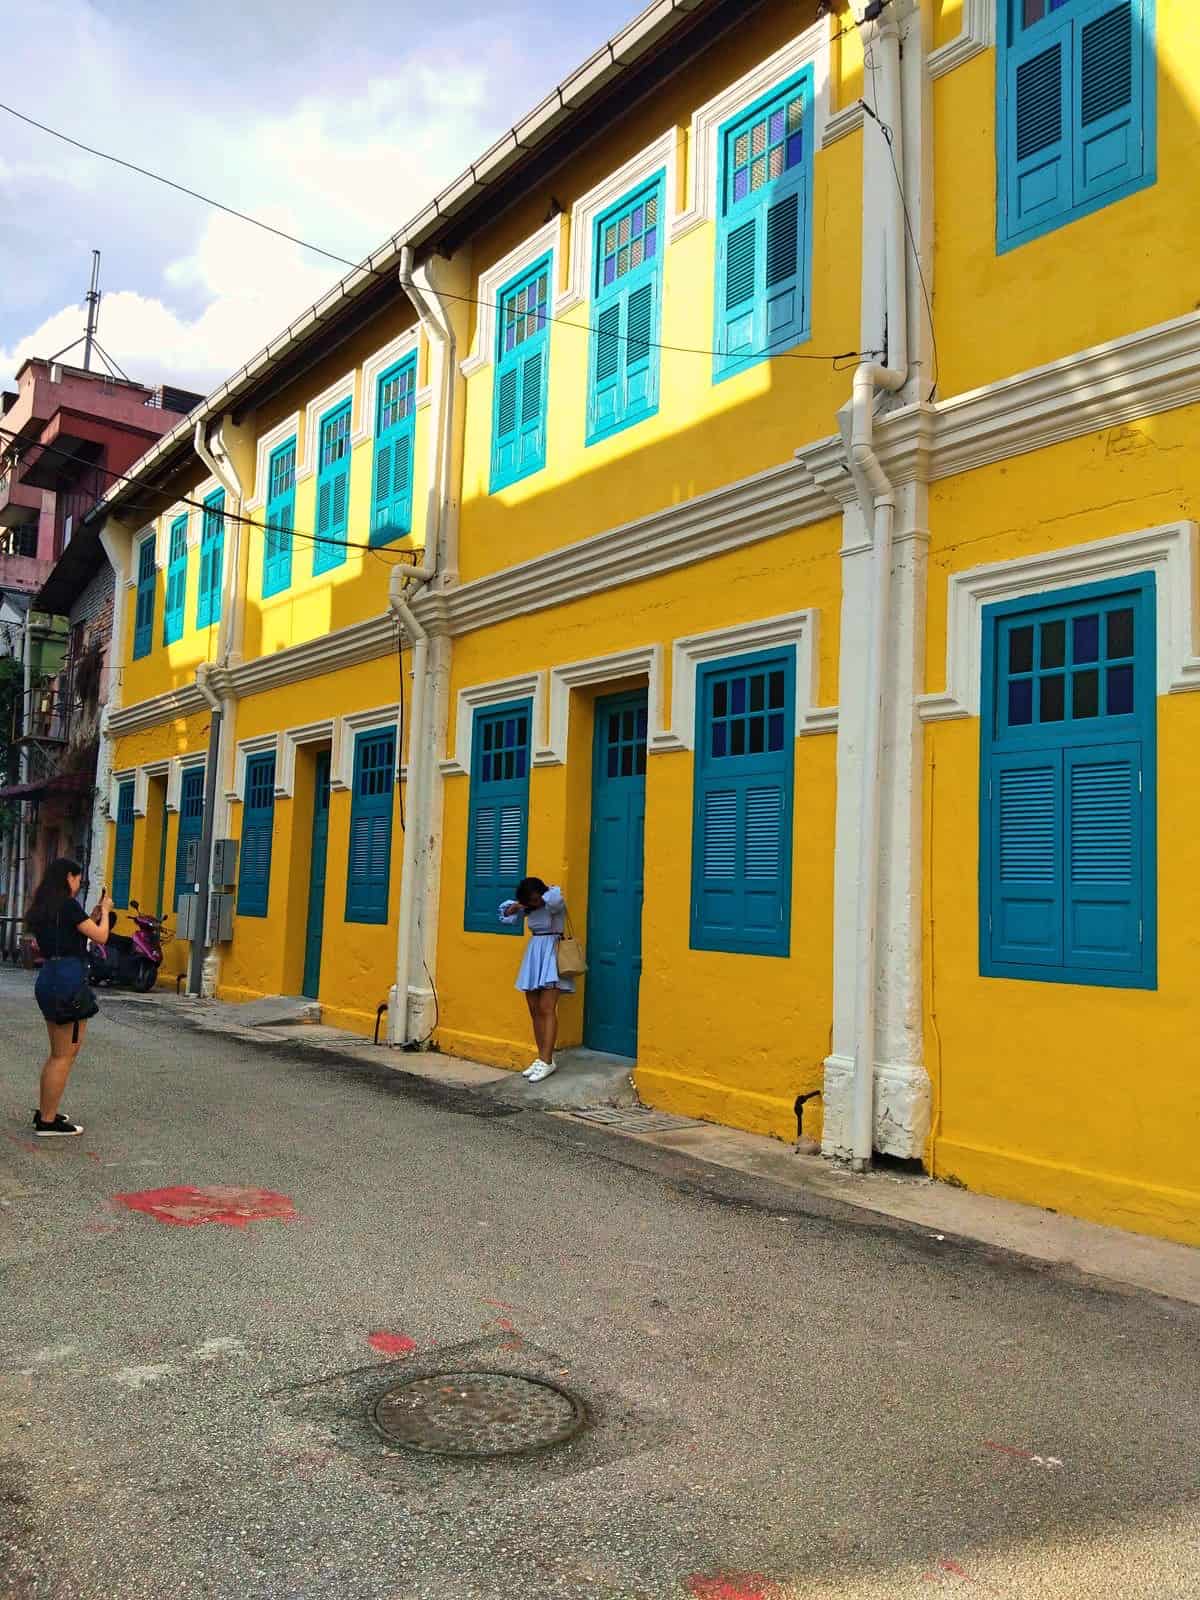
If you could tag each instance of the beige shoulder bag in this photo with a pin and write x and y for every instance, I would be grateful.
(571, 962)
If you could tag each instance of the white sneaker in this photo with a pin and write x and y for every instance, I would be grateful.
(532, 1067)
(540, 1070)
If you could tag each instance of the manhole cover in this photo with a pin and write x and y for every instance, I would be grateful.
(477, 1414)
(638, 1119)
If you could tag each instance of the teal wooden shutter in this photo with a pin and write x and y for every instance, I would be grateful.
(212, 557)
(742, 829)
(280, 519)
(1025, 921)
(1104, 828)
(522, 366)
(123, 853)
(333, 490)
(258, 827)
(1108, 100)
(624, 361)
(173, 612)
(369, 869)
(143, 625)
(395, 424)
(191, 827)
(498, 823)
(763, 232)
(1037, 174)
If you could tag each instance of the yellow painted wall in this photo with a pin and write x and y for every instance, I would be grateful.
(733, 1038)
(1000, 314)
(1083, 1099)
(704, 435)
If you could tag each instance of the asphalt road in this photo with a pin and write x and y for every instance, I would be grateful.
(785, 1397)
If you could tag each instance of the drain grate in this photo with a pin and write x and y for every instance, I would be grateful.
(638, 1119)
(477, 1414)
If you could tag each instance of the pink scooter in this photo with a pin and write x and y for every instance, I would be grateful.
(130, 962)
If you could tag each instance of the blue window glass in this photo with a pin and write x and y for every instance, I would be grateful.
(333, 490)
(280, 520)
(522, 376)
(369, 868)
(395, 426)
(1067, 837)
(626, 312)
(498, 823)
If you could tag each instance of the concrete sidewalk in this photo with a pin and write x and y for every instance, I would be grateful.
(600, 1085)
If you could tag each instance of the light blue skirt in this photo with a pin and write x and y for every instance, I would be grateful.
(539, 969)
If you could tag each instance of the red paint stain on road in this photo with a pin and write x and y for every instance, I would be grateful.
(231, 1205)
(391, 1344)
(1009, 1450)
(729, 1586)
(955, 1571)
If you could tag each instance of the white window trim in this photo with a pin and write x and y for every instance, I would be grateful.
(320, 406)
(406, 344)
(548, 240)
(289, 428)
(141, 785)
(126, 775)
(260, 744)
(478, 698)
(341, 761)
(594, 671)
(978, 33)
(175, 775)
(135, 551)
(797, 629)
(290, 742)
(1170, 551)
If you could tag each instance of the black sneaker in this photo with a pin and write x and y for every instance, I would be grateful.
(61, 1128)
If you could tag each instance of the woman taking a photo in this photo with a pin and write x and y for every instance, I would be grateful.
(62, 929)
(545, 914)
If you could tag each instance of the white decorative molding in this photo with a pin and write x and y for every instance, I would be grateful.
(594, 671)
(150, 531)
(548, 240)
(1169, 551)
(175, 770)
(341, 760)
(795, 629)
(182, 702)
(664, 152)
(978, 33)
(290, 741)
(318, 407)
(270, 441)
(480, 696)
(260, 744)
(116, 779)
(141, 784)
(373, 369)
(345, 647)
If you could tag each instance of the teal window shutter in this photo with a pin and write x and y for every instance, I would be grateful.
(123, 854)
(764, 235)
(395, 429)
(522, 372)
(333, 490)
(191, 827)
(626, 312)
(1076, 116)
(258, 827)
(370, 864)
(212, 559)
(742, 826)
(143, 623)
(173, 611)
(1067, 787)
(498, 822)
(280, 520)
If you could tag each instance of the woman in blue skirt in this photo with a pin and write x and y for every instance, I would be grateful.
(545, 914)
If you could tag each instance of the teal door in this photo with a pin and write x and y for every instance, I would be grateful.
(315, 925)
(616, 874)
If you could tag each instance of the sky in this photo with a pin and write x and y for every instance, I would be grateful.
(335, 122)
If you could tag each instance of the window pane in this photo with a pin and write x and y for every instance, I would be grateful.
(757, 735)
(640, 765)
(1020, 650)
(1085, 643)
(1085, 694)
(1119, 633)
(1020, 702)
(775, 731)
(720, 736)
(1054, 644)
(757, 692)
(1120, 691)
(776, 691)
(627, 761)
(737, 742)
(641, 723)
(612, 760)
(738, 688)
(1053, 698)
(720, 699)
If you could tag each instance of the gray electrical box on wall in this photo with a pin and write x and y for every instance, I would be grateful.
(224, 864)
(220, 918)
(188, 922)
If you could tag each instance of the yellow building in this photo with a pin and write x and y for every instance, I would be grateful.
(757, 496)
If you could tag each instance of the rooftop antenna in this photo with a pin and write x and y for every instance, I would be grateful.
(88, 339)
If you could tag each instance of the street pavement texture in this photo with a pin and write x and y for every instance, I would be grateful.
(786, 1396)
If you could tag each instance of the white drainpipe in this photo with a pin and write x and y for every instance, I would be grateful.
(877, 497)
(439, 531)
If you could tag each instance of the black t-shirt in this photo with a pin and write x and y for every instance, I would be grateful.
(61, 937)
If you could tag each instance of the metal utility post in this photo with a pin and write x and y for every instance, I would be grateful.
(93, 312)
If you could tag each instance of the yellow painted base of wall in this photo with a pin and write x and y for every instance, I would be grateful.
(488, 1051)
(717, 1102)
(1162, 1212)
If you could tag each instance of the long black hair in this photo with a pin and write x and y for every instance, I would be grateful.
(52, 893)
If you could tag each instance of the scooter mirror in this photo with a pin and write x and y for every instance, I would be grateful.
(133, 906)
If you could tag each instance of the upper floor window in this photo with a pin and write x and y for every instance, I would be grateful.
(764, 232)
(1067, 837)
(1076, 116)
(143, 625)
(395, 424)
(280, 519)
(333, 489)
(522, 368)
(212, 560)
(176, 581)
(627, 251)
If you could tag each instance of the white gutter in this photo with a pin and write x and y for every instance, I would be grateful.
(877, 496)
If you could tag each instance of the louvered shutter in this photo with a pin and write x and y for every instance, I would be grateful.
(738, 278)
(1107, 104)
(641, 365)
(143, 629)
(212, 553)
(391, 493)
(783, 285)
(1104, 830)
(1038, 179)
(123, 851)
(1025, 858)
(499, 814)
(506, 444)
(605, 404)
(765, 857)
(369, 866)
(716, 900)
(258, 825)
(533, 410)
(173, 611)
